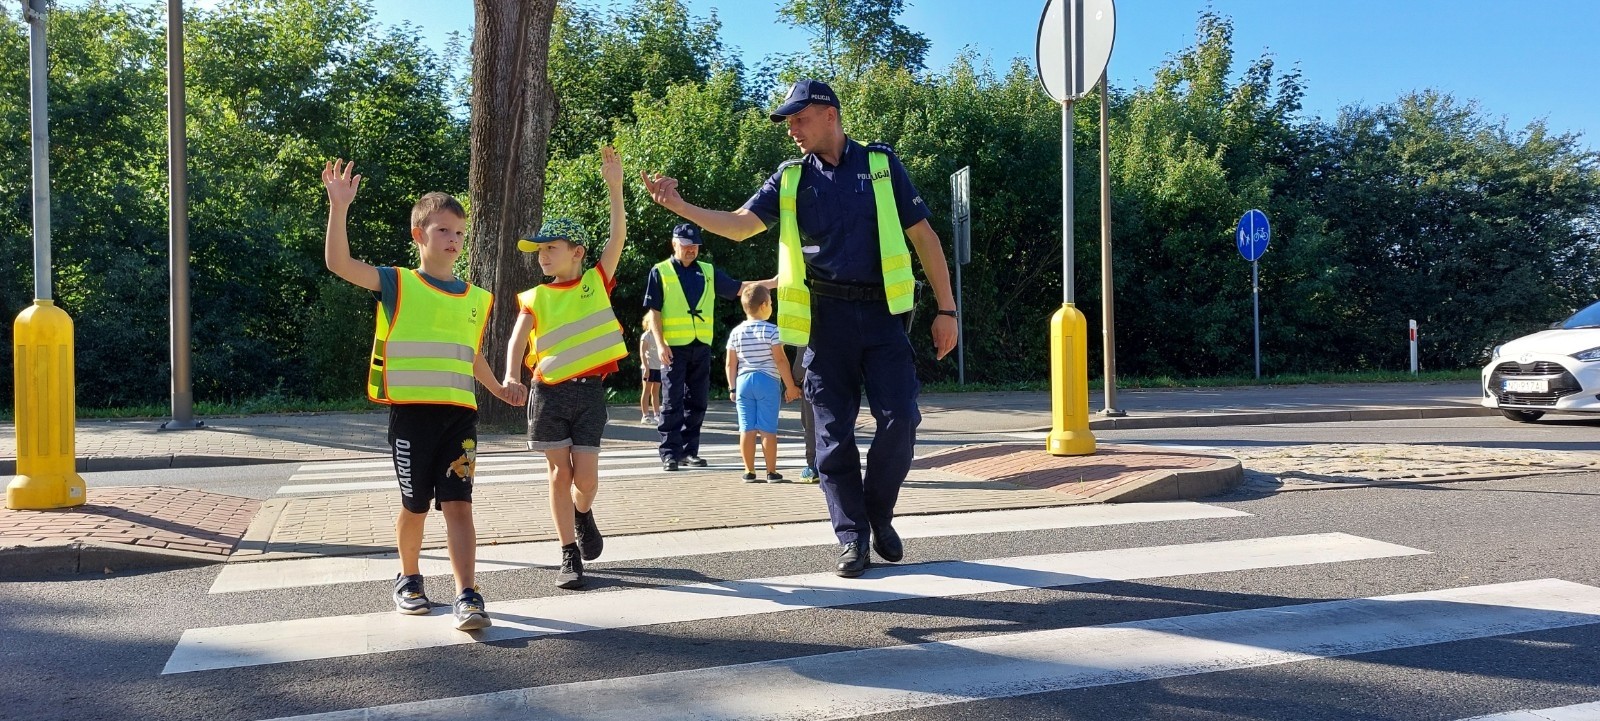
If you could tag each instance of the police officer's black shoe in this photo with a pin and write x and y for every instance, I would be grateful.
(669, 465)
(887, 543)
(853, 560)
(695, 461)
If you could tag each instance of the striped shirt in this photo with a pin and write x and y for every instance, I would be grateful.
(752, 340)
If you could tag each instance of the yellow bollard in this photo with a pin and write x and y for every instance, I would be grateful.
(1069, 384)
(47, 463)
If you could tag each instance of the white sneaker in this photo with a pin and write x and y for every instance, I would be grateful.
(646, 419)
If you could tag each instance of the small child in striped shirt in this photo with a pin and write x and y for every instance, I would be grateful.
(756, 367)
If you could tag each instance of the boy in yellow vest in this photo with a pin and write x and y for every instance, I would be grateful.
(428, 324)
(568, 336)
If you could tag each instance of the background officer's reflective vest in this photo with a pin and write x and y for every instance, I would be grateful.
(424, 353)
(575, 331)
(794, 298)
(681, 325)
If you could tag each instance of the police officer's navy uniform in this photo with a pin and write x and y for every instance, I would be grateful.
(854, 341)
(686, 381)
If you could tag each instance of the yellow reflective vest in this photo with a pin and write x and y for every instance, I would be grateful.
(574, 329)
(794, 297)
(680, 325)
(424, 353)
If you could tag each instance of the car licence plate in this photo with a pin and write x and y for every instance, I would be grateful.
(1535, 386)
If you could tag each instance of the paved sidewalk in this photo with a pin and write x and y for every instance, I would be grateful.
(123, 528)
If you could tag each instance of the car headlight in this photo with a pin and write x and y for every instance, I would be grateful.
(1496, 355)
(1593, 354)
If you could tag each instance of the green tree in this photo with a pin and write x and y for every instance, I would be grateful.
(848, 36)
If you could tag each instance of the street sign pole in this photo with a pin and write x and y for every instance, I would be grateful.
(1255, 303)
(1075, 39)
(961, 238)
(45, 385)
(1252, 237)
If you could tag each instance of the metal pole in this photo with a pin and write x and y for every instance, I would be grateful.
(1255, 301)
(39, 122)
(961, 348)
(178, 223)
(1107, 286)
(1068, 294)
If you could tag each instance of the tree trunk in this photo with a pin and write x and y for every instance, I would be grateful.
(513, 109)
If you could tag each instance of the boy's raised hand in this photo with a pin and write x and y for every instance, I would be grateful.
(341, 185)
(611, 167)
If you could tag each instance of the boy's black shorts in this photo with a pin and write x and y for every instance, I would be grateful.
(435, 450)
(570, 413)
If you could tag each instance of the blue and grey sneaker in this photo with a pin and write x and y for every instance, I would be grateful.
(469, 611)
(409, 598)
(809, 475)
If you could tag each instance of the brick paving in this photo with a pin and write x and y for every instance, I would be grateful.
(161, 518)
(1327, 464)
(1085, 477)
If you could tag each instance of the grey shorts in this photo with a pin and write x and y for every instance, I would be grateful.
(570, 413)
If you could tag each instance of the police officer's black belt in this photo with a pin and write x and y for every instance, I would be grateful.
(845, 291)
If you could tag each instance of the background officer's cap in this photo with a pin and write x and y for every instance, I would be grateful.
(686, 233)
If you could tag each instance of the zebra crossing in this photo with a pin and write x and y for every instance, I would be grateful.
(911, 677)
(378, 474)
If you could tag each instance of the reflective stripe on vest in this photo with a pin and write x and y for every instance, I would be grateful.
(575, 331)
(680, 325)
(425, 353)
(794, 298)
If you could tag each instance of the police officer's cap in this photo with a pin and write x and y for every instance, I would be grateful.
(804, 93)
(556, 229)
(686, 233)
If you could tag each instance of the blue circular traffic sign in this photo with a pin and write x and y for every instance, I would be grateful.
(1253, 234)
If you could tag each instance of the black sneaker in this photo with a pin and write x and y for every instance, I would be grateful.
(669, 465)
(469, 611)
(571, 573)
(408, 596)
(751, 478)
(775, 477)
(695, 461)
(590, 542)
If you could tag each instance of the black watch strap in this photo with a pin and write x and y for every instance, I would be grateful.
(951, 313)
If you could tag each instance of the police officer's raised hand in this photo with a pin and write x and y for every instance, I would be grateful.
(663, 190)
(944, 336)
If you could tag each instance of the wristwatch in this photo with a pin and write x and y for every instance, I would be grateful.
(951, 313)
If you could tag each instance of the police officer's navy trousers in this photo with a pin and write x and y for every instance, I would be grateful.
(685, 390)
(856, 344)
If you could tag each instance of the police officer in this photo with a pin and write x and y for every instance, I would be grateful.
(845, 211)
(678, 298)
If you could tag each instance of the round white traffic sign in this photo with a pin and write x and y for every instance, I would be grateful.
(1070, 64)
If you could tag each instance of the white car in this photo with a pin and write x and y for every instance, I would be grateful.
(1552, 371)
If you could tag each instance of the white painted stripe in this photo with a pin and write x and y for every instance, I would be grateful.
(1576, 712)
(260, 575)
(363, 469)
(492, 459)
(901, 678)
(332, 637)
(534, 474)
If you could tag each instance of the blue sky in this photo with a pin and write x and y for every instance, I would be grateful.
(1522, 60)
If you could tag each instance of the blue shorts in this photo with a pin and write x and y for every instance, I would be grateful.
(759, 396)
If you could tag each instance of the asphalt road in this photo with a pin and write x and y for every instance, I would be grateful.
(91, 648)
